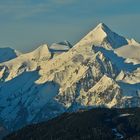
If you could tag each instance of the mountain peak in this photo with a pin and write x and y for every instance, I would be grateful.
(101, 25)
(102, 28)
(42, 47)
(41, 52)
(103, 35)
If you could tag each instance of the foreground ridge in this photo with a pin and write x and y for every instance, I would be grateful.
(106, 124)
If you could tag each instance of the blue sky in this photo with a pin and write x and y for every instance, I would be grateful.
(25, 24)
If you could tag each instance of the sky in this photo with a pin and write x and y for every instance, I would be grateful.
(26, 24)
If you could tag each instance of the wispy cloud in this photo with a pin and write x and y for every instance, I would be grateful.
(64, 1)
(18, 9)
(21, 10)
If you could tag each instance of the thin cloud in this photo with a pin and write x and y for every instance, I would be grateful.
(22, 10)
(19, 9)
(64, 2)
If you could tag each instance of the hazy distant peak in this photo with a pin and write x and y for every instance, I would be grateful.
(66, 43)
(7, 54)
(60, 46)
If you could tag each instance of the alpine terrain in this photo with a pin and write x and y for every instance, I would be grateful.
(101, 70)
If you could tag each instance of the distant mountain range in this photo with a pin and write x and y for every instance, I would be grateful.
(101, 70)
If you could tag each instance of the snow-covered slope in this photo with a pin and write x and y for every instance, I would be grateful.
(24, 62)
(131, 52)
(40, 85)
(8, 54)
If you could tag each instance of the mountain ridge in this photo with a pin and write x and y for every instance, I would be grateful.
(41, 84)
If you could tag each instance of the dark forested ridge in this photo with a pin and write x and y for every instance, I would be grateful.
(94, 124)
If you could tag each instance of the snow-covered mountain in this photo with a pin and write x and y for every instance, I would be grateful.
(95, 72)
